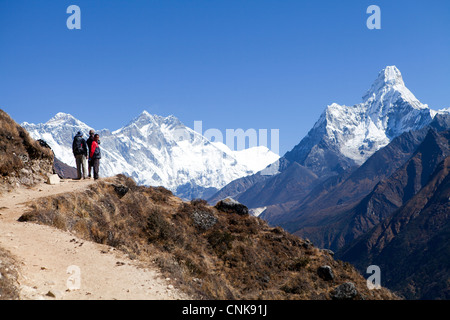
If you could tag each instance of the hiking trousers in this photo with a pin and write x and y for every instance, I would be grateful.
(81, 166)
(95, 163)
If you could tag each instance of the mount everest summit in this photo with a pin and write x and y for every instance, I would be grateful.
(158, 151)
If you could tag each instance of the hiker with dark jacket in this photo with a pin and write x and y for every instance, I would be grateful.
(89, 144)
(95, 155)
(79, 148)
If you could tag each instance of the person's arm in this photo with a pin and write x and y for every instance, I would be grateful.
(93, 147)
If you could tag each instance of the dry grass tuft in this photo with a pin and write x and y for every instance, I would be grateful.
(9, 286)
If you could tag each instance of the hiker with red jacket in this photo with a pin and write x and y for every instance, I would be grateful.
(79, 149)
(89, 144)
(95, 155)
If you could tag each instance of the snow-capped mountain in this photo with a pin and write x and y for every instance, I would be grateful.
(348, 135)
(157, 151)
(343, 137)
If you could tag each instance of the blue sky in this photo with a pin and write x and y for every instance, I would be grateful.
(262, 64)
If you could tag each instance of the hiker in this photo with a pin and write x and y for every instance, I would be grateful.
(89, 144)
(79, 148)
(95, 155)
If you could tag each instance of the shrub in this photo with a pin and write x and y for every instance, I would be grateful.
(298, 285)
(157, 228)
(299, 263)
(220, 241)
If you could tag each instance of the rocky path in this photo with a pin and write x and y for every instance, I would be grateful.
(55, 264)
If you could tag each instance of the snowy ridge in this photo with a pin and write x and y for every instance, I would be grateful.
(156, 151)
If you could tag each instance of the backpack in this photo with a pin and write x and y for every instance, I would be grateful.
(78, 147)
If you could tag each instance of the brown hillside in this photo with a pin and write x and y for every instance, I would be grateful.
(23, 161)
(210, 253)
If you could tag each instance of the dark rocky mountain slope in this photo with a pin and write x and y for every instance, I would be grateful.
(411, 246)
(338, 225)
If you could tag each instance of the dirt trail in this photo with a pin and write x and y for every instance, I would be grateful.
(55, 264)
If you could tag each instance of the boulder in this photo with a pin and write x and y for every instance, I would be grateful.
(204, 220)
(346, 291)
(120, 190)
(230, 205)
(53, 179)
(325, 273)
